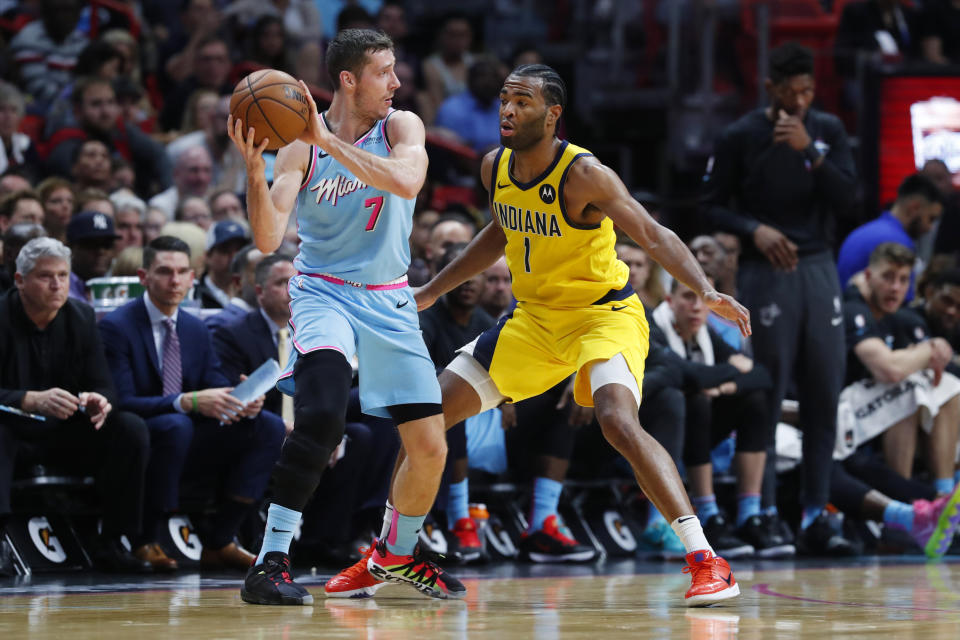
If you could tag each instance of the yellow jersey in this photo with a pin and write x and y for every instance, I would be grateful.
(554, 261)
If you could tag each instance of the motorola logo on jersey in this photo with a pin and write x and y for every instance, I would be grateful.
(332, 189)
(526, 221)
(45, 540)
(547, 193)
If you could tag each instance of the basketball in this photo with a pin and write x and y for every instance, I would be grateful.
(273, 103)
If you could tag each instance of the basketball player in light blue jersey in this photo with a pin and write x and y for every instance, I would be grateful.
(352, 176)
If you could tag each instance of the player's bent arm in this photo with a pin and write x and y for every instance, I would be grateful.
(596, 184)
(270, 208)
(888, 365)
(403, 171)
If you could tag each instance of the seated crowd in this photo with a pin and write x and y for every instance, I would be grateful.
(134, 301)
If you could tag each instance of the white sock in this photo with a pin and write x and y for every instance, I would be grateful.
(690, 532)
(387, 520)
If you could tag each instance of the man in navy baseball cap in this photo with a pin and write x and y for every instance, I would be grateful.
(216, 286)
(92, 237)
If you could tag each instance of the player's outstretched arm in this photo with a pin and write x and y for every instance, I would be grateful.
(594, 183)
(401, 173)
(269, 208)
(482, 252)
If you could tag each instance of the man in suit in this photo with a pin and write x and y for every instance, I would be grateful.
(166, 371)
(241, 270)
(217, 285)
(52, 366)
(245, 343)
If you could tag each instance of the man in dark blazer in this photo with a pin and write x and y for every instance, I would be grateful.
(248, 341)
(52, 367)
(166, 371)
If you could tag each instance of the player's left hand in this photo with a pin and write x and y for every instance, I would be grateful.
(96, 406)
(790, 129)
(423, 297)
(316, 132)
(726, 307)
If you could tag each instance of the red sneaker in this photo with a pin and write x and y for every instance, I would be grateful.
(712, 578)
(355, 581)
(465, 545)
(419, 570)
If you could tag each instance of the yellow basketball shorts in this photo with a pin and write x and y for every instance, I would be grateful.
(534, 348)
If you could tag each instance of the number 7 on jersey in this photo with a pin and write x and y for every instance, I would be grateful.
(376, 204)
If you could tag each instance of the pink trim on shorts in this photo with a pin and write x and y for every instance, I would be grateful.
(340, 281)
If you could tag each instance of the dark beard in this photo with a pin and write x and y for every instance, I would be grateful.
(527, 136)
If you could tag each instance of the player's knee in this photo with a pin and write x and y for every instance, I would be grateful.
(428, 448)
(620, 426)
(321, 423)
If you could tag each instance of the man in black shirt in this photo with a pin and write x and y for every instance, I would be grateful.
(776, 175)
(887, 349)
(52, 366)
(941, 311)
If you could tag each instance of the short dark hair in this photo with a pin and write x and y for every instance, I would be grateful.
(552, 86)
(163, 243)
(788, 60)
(917, 184)
(894, 253)
(84, 84)
(239, 260)
(348, 51)
(262, 270)
(946, 277)
(94, 56)
(78, 150)
(9, 202)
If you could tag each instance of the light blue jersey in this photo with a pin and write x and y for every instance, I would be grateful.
(351, 294)
(349, 229)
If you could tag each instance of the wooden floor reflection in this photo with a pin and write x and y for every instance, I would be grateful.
(910, 601)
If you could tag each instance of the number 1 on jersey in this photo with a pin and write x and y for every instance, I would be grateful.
(526, 253)
(376, 204)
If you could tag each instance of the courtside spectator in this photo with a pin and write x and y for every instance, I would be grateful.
(777, 176)
(20, 206)
(211, 70)
(192, 176)
(947, 239)
(912, 215)
(645, 274)
(887, 346)
(248, 341)
(166, 371)
(52, 365)
(217, 287)
(473, 115)
(16, 149)
(46, 50)
(497, 293)
(98, 116)
(243, 271)
(225, 205)
(90, 166)
(12, 181)
(92, 238)
(13, 240)
(59, 205)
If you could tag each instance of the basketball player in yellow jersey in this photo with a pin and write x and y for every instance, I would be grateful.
(554, 206)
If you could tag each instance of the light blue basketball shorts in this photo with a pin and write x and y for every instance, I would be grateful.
(379, 327)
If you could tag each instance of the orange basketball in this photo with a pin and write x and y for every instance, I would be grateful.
(273, 103)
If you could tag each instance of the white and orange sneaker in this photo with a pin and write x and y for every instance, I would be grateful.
(355, 581)
(712, 579)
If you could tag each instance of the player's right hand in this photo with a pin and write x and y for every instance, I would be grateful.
(579, 416)
(778, 249)
(252, 155)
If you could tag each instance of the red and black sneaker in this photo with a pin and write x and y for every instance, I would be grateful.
(712, 579)
(271, 583)
(419, 570)
(355, 581)
(464, 544)
(554, 543)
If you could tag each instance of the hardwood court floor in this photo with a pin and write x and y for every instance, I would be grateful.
(892, 598)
